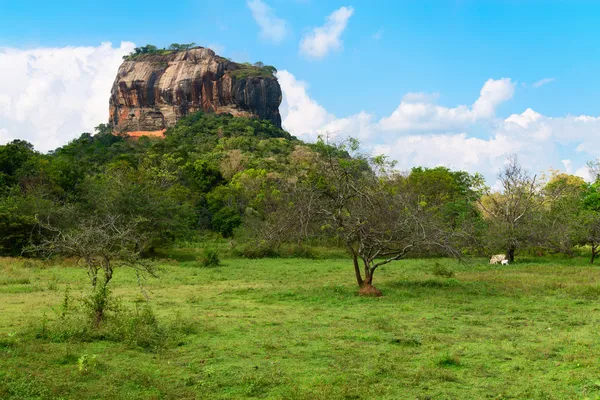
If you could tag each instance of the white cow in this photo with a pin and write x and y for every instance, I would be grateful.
(504, 262)
(498, 258)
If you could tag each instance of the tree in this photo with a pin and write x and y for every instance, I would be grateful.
(180, 47)
(151, 195)
(561, 219)
(13, 157)
(452, 196)
(511, 212)
(18, 220)
(101, 243)
(589, 220)
(361, 202)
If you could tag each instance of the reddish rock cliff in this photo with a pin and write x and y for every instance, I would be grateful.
(152, 91)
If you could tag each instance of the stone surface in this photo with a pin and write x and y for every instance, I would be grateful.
(153, 91)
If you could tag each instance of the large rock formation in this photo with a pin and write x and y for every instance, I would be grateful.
(152, 91)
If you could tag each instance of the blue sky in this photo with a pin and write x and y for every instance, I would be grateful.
(384, 50)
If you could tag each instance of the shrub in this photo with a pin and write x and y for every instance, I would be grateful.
(138, 328)
(254, 251)
(210, 258)
(86, 363)
(441, 270)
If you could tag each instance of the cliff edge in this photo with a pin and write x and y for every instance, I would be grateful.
(152, 91)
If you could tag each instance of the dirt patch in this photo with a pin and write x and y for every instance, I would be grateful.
(370, 291)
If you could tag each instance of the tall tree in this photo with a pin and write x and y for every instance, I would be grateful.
(511, 212)
(361, 202)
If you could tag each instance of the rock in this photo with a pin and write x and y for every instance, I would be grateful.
(152, 91)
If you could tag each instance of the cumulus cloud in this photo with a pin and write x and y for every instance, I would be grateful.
(272, 28)
(542, 82)
(492, 94)
(322, 40)
(301, 115)
(51, 95)
(471, 138)
(418, 111)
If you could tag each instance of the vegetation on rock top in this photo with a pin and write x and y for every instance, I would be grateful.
(243, 70)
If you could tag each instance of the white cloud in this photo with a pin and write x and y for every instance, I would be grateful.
(418, 111)
(492, 94)
(4, 137)
(584, 173)
(272, 28)
(51, 95)
(301, 115)
(324, 39)
(471, 138)
(542, 82)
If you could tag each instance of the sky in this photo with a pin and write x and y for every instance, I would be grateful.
(459, 83)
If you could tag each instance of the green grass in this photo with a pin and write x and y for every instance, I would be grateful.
(295, 329)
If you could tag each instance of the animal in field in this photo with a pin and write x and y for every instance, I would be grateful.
(498, 258)
(504, 262)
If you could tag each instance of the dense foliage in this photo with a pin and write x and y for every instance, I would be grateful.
(237, 177)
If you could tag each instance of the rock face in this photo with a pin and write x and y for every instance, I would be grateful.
(152, 91)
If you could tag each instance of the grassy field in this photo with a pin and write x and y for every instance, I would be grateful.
(295, 329)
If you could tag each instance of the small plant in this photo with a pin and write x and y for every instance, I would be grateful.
(98, 302)
(441, 270)
(86, 363)
(210, 258)
(65, 306)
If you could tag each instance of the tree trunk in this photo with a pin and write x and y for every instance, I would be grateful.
(594, 252)
(367, 288)
(510, 254)
(359, 278)
(368, 275)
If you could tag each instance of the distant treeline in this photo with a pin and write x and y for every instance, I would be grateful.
(248, 179)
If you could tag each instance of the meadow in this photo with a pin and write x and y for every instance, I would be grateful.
(296, 329)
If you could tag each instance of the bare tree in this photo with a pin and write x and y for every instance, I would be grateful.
(101, 243)
(510, 211)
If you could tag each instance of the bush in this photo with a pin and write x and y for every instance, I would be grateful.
(254, 251)
(210, 258)
(441, 270)
(138, 328)
(295, 251)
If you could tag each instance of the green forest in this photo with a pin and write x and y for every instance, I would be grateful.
(259, 187)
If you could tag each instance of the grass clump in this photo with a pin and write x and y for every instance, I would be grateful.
(442, 271)
(448, 360)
